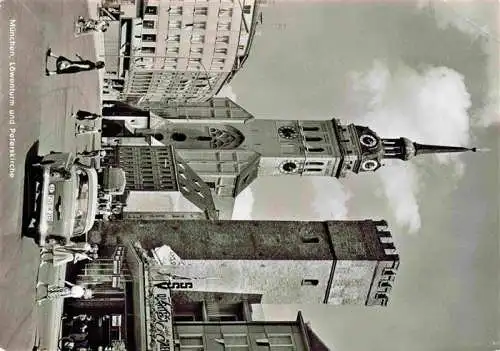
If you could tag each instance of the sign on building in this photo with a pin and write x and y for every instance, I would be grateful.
(160, 323)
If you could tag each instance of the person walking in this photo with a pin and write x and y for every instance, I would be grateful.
(67, 66)
(74, 252)
(61, 257)
(88, 25)
(68, 290)
(82, 115)
(83, 129)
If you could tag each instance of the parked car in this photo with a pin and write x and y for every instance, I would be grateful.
(67, 198)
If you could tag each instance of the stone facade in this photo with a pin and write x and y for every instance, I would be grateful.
(177, 51)
(335, 262)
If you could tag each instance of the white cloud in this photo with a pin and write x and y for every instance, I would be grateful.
(227, 91)
(479, 21)
(428, 106)
(468, 17)
(400, 186)
(330, 201)
(243, 205)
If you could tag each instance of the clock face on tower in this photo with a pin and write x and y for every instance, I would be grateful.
(369, 165)
(289, 167)
(287, 132)
(368, 140)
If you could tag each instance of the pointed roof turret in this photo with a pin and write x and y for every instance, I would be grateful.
(405, 149)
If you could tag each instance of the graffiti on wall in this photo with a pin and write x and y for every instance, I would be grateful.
(161, 327)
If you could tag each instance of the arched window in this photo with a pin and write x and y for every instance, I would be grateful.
(313, 139)
(158, 136)
(311, 240)
(313, 169)
(311, 282)
(178, 137)
(204, 138)
(226, 137)
(310, 129)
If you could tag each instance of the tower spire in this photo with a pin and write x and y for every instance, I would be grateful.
(405, 149)
(439, 149)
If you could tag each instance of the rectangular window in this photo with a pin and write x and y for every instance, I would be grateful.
(218, 61)
(184, 318)
(201, 11)
(151, 10)
(171, 61)
(172, 50)
(196, 60)
(198, 38)
(174, 38)
(235, 342)
(195, 50)
(222, 39)
(191, 342)
(221, 51)
(224, 26)
(174, 24)
(149, 37)
(280, 340)
(148, 49)
(200, 25)
(148, 24)
(225, 12)
(175, 10)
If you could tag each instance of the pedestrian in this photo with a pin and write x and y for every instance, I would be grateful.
(82, 129)
(86, 115)
(68, 290)
(75, 247)
(74, 252)
(90, 24)
(61, 257)
(67, 66)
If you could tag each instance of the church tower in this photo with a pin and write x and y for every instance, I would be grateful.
(228, 148)
(311, 262)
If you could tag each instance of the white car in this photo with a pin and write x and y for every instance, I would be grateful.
(67, 200)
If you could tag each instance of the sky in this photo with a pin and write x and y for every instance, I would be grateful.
(424, 70)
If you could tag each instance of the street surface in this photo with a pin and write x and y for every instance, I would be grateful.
(40, 108)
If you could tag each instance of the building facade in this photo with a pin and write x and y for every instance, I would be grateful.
(176, 51)
(160, 185)
(332, 262)
(171, 319)
(231, 151)
(132, 311)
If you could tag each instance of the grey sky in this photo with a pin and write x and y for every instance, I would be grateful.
(446, 295)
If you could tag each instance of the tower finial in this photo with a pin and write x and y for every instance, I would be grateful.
(406, 149)
(481, 149)
(439, 149)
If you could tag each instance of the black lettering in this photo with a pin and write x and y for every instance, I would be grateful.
(163, 285)
(166, 285)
